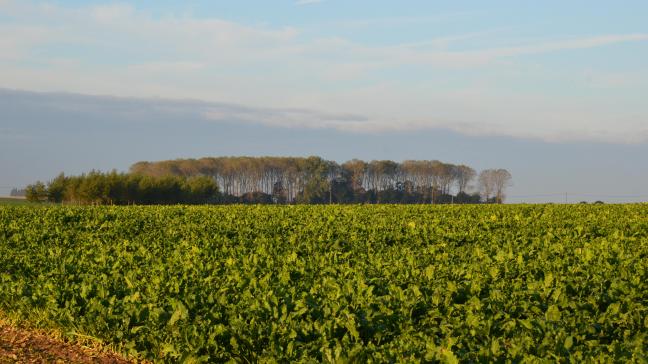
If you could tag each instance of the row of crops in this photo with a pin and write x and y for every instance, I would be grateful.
(335, 283)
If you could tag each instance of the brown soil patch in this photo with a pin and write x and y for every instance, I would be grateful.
(18, 345)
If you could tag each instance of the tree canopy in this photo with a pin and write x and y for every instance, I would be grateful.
(279, 180)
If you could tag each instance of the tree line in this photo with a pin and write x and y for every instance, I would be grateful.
(113, 188)
(280, 180)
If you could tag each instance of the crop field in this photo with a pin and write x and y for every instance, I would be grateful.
(378, 283)
(14, 201)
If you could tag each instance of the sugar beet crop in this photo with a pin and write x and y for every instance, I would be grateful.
(335, 283)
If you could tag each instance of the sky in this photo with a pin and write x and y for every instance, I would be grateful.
(553, 91)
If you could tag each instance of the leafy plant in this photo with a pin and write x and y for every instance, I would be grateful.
(335, 283)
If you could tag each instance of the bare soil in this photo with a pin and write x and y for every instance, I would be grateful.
(19, 345)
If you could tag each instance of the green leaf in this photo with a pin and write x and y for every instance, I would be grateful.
(495, 348)
(548, 280)
(569, 342)
(526, 324)
(553, 313)
(179, 313)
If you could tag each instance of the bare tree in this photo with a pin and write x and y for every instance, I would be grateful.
(463, 176)
(486, 184)
(291, 179)
(356, 171)
(493, 183)
(501, 180)
(446, 173)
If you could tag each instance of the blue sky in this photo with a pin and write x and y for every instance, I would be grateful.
(528, 81)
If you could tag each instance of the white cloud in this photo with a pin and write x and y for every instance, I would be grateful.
(392, 21)
(174, 67)
(16, 41)
(563, 44)
(111, 13)
(307, 2)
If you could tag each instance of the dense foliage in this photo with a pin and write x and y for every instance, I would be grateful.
(114, 188)
(332, 283)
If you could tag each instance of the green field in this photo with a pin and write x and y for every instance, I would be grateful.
(15, 201)
(335, 283)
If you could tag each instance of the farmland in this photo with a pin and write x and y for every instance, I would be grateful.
(14, 201)
(383, 283)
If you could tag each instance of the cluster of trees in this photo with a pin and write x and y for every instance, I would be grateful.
(278, 180)
(315, 180)
(17, 193)
(121, 189)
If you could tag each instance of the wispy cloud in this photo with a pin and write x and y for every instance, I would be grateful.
(307, 2)
(564, 44)
(111, 13)
(400, 20)
(122, 51)
(174, 67)
(217, 41)
(421, 53)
